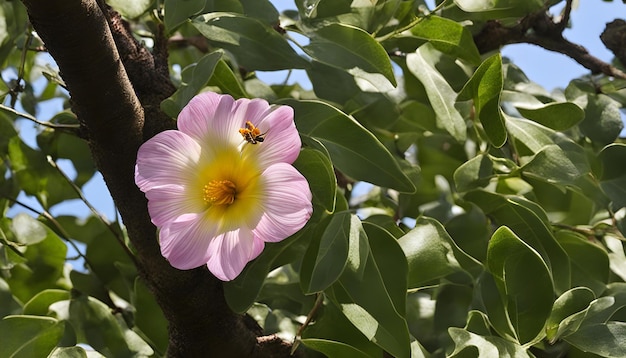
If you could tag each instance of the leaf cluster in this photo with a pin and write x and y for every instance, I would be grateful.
(460, 210)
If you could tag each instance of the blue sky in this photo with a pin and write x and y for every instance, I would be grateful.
(551, 70)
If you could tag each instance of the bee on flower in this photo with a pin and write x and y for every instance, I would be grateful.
(252, 134)
(215, 199)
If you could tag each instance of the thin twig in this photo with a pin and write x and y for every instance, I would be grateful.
(411, 24)
(318, 303)
(71, 128)
(60, 230)
(15, 90)
(539, 29)
(65, 237)
(98, 215)
(566, 16)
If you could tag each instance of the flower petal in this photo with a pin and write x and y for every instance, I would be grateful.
(195, 117)
(231, 251)
(287, 205)
(282, 141)
(169, 202)
(216, 119)
(185, 242)
(170, 157)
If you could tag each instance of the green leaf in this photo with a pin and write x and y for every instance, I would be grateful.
(613, 177)
(605, 340)
(177, 12)
(36, 176)
(440, 94)
(351, 49)
(7, 128)
(569, 303)
(530, 223)
(557, 159)
(332, 83)
(224, 78)
(475, 172)
(107, 258)
(256, 45)
(485, 88)
(387, 223)
(557, 115)
(611, 154)
(556, 164)
(493, 9)
(10, 305)
(318, 169)
(194, 78)
(592, 331)
(353, 149)
(68, 352)
(531, 134)
(365, 303)
(391, 262)
(40, 303)
(149, 317)
(331, 325)
(29, 336)
(448, 37)
(524, 282)
(366, 300)
(334, 349)
(471, 232)
(429, 251)
(131, 9)
(495, 306)
(62, 145)
(484, 346)
(241, 292)
(451, 306)
(27, 230)
(332, 253)
(589, 262)
(43, 268)
(95, 325)
(478, 322)
(261, 9)
(603, 121)
(617, 256)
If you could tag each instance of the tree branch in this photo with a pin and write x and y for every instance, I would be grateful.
(539, 29)
(116, 86)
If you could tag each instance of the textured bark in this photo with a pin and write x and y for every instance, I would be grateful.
(539, 29)
(116, 87)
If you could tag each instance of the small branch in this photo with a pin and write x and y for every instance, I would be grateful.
(60, 231)
(199, 42)
(309, 318)
(579, 54)
(539, 29)
(100, 217)
(566, 16)
(69, 128)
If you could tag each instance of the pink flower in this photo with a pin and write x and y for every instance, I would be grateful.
(222, 185)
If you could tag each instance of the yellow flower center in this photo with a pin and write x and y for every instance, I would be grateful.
(229, 188)
(219, 192)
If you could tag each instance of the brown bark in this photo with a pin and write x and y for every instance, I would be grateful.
(539, 29)
(116, 87)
